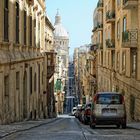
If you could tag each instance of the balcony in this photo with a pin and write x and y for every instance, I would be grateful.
(129, 4)
(100, 5)
(100, 46)
(110, 16)
(130, 38)
(110, 44)
(99, 26)
(93, 47)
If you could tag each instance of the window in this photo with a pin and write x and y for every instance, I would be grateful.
(30, 80)
(108, 56)
(39, 78)
(30, 30)
(99, 37)
(17, 80)
(38, 33)
(6, 20)
(25, 25)
(118, 59)
(113, 59)
(118, 3)
(134, 63)
(123, 61)
(124, 24)
(35, 32)
(42, 77)
(35, 82)
(109, 98)
(109, 33)
(6, 85)
(118, 30)
(101, 57)
(17, 22)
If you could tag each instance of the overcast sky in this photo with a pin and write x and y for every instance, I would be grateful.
(76, 17)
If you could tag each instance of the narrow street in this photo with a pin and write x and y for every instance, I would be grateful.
(69, 128)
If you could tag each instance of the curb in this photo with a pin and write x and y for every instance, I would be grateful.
(38, 125)
(132, 127)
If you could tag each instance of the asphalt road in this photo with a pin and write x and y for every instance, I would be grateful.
(69, 128)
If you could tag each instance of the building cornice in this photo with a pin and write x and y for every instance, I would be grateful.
(49, 23)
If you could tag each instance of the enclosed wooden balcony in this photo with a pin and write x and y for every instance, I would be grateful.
(99, 26)
(110, 16)
(110, 44)
(93, 47)
(130, 38)
(129, 4)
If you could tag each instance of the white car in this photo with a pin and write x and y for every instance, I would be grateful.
(108, 108)
(74, 109)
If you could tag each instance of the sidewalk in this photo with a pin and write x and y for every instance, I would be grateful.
(6, 130)
(135, 125)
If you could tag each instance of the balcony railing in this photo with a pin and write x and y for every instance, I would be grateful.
(99, 26)
(130, 38)
(110, 16)
(128, 4)
(110, 44)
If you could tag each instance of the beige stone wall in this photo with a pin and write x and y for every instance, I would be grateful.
(25, 96)
(115, 74)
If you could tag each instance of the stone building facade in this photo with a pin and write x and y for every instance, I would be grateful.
(85, 72)
(119, 56)
(22, 60)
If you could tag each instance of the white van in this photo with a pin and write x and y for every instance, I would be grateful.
(108, 108)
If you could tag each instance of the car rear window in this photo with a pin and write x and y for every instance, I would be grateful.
(109, 99)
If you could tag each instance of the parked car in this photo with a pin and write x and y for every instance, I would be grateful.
(77, 113)
(108, 108)
(74, 109)
(81, 113)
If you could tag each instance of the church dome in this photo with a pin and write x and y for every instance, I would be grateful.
(59, 31)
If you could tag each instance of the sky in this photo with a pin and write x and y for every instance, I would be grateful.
(76, 17)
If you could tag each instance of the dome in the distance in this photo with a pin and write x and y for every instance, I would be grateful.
(59, 31)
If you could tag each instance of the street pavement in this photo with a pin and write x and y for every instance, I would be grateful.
(66, 128)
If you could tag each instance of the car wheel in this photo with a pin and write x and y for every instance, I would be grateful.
(123, 126)
(118, 126)
(92, 125)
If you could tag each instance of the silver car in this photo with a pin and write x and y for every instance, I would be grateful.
(108, 108)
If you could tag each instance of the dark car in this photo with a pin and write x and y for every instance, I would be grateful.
(86, 113)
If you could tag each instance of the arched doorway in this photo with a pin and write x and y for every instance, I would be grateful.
(25, 95)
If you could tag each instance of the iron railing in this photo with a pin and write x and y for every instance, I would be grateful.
(130, 37)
